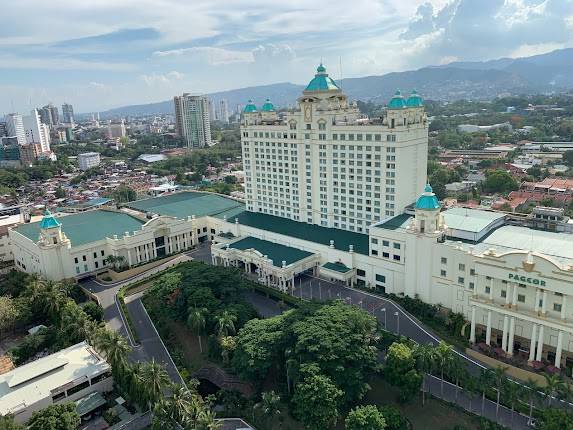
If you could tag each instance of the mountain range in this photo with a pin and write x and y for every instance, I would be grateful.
(546, 73)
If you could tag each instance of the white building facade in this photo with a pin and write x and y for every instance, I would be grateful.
(15, 128)
(324, 164)
(36, 131)
(87, 160)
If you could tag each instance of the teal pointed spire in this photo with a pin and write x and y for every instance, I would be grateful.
(48, 221)
(397, 102)
(268, 106)
(250, 107)
(414, 100)
(428, 200)
(321, 81)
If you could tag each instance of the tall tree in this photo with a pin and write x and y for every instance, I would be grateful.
(7, 423)
(316, 401)
(113, 346)
(531, 393)
(196, 322)
(61, 416)
(554, 386)
(154, 380)
(8, 314)
(226, 323)
(425, 358)
(269, 406)
(444, 358)
(499, 381)
(366, 417)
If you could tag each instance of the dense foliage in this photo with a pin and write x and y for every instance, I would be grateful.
(366, 417)
(61, 416)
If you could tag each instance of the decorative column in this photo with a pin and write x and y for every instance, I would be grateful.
(544, 306)
(537, 298)
(559, 349)
(510, 342)
(473, 326)
(505, 328)
(532, 342)
(563, 306)
(488, 328)
(507, 295)
(491, 289)
(475, 291)
(540, 343)
(514, 298)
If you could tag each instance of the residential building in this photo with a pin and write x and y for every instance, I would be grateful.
(36, 131)
(65, 376)
(223, 111)
(116, 130)
(29, 153)
(471, 128)
(87, 160)
(49, 115)
(324, 164)
(15, 127)
(67, 114)
(192, 122)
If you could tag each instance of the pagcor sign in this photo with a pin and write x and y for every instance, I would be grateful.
(527, 280)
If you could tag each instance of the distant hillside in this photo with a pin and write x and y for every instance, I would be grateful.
(551, 72)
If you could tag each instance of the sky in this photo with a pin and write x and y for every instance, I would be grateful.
(100, 54)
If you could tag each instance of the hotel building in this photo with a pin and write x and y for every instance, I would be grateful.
(323, 204)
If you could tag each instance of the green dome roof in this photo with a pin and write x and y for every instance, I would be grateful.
(321, 81)
(414, 100)
(268, 106)
(251, 107)
(397, 102)
(428, 200)
(49, 221)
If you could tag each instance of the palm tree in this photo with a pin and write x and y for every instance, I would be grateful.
(269, 405)
(499, 380)
(511, 393)
(182, 404)
(153, 379)
(554, 386)
(485, 381)
(113, 346)
(457, 371)
(226, 323)
(228, 344)
(425, 356)
(471, 389)
(196, 322)
(53, 299)
(531, 393)
(206, 420)
(444, 357)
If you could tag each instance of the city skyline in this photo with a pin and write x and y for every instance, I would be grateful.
(95, 60)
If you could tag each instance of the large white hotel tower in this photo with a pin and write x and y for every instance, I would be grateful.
(324, 164)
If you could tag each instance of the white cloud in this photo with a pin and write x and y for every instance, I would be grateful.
(212, 55)
(97, 85)
(162, 79)
(13, 62)
(527, 50)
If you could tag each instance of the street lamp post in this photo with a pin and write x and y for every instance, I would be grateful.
(319, 292)
(384, 310)
(397, 322)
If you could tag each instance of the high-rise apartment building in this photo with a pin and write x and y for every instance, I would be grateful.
(49, 115)
(223, 111)
(15, 127)
(67, 113)
(192, 121)
(36, 131)
(87, 160)
(325, 164)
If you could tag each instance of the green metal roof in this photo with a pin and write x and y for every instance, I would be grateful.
(312, 233)
(87, 227)
(321, 81)
(399, 222)
(268, 106)
(276, 252)
(49, 221)
(428, 200)
(472, 220)
(414, 100)
(336, 267)
(397, 102)
(184, 204)
(250, 107)
(89, 403)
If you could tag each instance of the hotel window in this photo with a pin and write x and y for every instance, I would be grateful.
(102, 253)
(521, 298)
(76, 260)
(84, 258)
(381, 278)
(443, 273)
(396, 245)
(444, 260)
(374, 252)
(374, 241)
(386, 255)
(462, 267)
(385, 243)
(487, 290)
(360, 272)
(396, 257)
(472, 285)
(85, 267)
(472, 272)
(503, 293)
(461, 280)
(557, 307)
